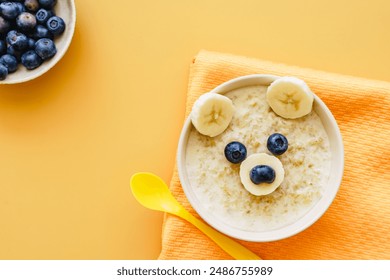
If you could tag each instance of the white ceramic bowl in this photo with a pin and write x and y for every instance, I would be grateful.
(337, 167)
(65, 9)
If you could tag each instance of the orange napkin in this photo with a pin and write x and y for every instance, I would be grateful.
(357, 224)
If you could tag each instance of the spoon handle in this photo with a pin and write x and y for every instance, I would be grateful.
(233, 248)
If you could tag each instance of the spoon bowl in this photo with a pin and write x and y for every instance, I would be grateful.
(152, 192)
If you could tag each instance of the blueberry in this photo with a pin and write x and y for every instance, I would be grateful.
(45, 48)
(3, 72)
(21, 8)
(3, 47)
(31, 5)
(277, 144)
(31, 43)
(4, 25)
(10, 34)
(11, 50)
(48, 4)
(17, 40)
(235, 152)
(10, 62)
(31, 60)
(41, 32)
(43, 15)
(26, 21)
(56, 25)
(9, 10)
(262, 174)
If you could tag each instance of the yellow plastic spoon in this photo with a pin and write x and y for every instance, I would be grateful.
(152, 192)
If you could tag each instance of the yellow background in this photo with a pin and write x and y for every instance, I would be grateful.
(114, 105)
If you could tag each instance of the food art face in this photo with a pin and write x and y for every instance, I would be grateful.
(257, 158)
(260, 173)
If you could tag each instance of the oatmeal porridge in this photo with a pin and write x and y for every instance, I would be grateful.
(216, 181)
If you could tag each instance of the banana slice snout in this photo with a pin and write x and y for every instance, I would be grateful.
(212, 114)
(290, 97)
(253, 162)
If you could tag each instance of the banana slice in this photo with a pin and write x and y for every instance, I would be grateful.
(290, 97)
(212, 114)
(261, 159)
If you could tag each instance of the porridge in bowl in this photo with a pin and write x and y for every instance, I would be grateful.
(255, 157)
(217, 184)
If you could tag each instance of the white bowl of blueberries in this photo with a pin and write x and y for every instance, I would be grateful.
(34, 36)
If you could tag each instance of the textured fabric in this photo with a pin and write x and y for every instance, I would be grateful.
(357, 224)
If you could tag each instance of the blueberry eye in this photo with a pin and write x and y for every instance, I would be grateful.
(277, 144)
(235, 152)
(262, 174)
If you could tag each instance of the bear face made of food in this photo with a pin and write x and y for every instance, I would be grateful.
(257, 157)
(260, 173)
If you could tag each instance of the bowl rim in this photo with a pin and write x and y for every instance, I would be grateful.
(35, 74)
(316, 211)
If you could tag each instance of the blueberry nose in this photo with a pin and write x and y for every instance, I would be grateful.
(262, 174)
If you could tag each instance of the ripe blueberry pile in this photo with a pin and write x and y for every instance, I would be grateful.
(27, 32)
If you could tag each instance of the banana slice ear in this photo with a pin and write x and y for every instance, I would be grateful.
(212, 113)
(290, 97)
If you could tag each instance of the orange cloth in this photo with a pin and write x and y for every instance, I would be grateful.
(357, 224)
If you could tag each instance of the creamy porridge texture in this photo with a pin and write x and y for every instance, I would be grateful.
(216, 182)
